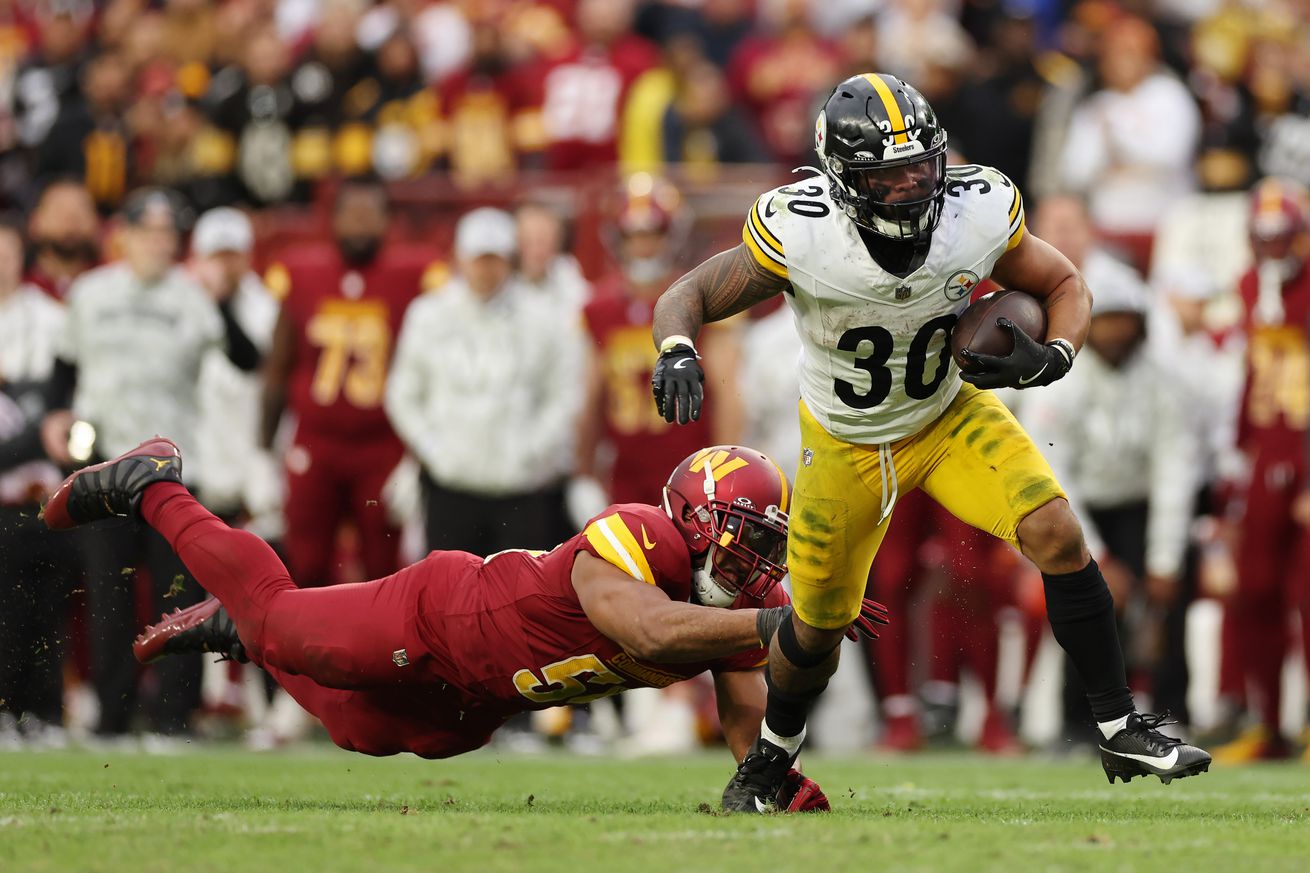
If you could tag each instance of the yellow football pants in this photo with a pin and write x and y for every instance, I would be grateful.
(975, 460)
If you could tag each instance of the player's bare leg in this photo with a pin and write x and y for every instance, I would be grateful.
(1081, 613)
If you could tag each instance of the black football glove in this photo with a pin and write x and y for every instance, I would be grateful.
(1030, 365)
(677, 384)
(872, 614)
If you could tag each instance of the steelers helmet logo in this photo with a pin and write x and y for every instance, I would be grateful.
(820, 131)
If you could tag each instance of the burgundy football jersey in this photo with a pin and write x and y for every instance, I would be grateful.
(1276, 400)
(513, 635)
(346, 321)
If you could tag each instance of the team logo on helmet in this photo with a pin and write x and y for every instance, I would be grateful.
(820, 131)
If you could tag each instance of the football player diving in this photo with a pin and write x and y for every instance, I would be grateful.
(876, 254)
(433, 659)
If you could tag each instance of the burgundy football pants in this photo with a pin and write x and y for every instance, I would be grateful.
(330, 648)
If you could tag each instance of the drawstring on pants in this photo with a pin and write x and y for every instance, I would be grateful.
(887, 467)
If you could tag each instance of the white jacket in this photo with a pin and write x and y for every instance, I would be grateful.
(486, 394)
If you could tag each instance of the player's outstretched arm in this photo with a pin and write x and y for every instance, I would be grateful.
(728, 283)
(648, 625)
(740, 697)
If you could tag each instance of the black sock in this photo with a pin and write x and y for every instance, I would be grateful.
(1081, 612)
(786, 711)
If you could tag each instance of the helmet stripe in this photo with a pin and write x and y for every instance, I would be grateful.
(894, 113)
(782, 504)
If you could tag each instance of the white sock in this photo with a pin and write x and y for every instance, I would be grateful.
(1110, 728)
(791, 744)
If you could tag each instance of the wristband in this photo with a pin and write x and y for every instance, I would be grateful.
(677, 340)
(1065, 348)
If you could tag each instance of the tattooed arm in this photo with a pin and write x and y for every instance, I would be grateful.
(726, 284)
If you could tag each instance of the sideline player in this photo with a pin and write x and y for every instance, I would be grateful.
(877, 258)
(332, 347)
(434, 658)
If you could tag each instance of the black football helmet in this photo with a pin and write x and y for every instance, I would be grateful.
(884, 153)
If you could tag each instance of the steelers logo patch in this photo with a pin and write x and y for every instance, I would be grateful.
(960, 285)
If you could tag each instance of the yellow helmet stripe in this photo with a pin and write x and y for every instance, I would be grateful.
(894, 113)
(783, 476)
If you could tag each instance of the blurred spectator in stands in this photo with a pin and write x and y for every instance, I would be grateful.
(583, 92)
(642, 139)
(491, 115)
(703, 127)
(36, 573)
(544, 261)
(245, 151)
(857, 41)
(65, 237)
(90, 139)
(1002, 101)
(913, 33)
(343, 303)
(778, 73)
(1275, 414)
(625, 445)
(128, 364)
(1122, 440)
(333, 89)
(231, 481)
(1229, 138)
(493, 431)
(406, 128)
(1279, 78)
(1130, 145)
(48, 81)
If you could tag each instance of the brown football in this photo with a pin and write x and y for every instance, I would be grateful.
(977, 330)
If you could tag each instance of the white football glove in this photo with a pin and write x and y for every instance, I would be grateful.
(401, 494)
(584, 499)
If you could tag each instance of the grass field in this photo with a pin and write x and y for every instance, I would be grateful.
(323, 810)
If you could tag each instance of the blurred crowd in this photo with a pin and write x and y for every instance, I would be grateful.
(389, 373)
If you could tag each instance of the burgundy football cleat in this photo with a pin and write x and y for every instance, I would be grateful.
(205, 627)
(113, 488)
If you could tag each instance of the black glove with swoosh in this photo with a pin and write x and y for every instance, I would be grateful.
(677, 384)
(1030, 365)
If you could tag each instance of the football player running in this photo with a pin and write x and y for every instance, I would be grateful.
(877, 257)
(433, 659)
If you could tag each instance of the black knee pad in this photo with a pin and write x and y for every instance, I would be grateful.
(793, 651)
(1076, 596)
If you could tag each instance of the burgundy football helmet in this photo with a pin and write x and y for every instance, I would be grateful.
(1278, 224)
(730, 503)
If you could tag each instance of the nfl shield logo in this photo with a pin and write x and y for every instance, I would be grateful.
(903, 292)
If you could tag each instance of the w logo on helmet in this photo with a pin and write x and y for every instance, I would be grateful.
(718, 461)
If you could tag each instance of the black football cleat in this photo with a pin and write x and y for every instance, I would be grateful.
(759, 779)
(205, 627)
(1141, 750)
(113, 488)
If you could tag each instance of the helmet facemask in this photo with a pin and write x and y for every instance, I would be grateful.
(745, 560)
(901, 200)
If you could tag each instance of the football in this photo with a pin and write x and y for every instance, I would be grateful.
(978, 332)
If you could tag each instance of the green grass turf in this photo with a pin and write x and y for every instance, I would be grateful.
(320, 810)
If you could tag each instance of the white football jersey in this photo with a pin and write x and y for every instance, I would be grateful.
(877, 365)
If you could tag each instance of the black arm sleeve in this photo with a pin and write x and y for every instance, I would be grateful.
(59, 389)
(240, 350)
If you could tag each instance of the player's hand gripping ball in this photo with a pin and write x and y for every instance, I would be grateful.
(997, 343)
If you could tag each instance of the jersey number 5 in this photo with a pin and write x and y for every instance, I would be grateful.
(875, 363)
(572, 680)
